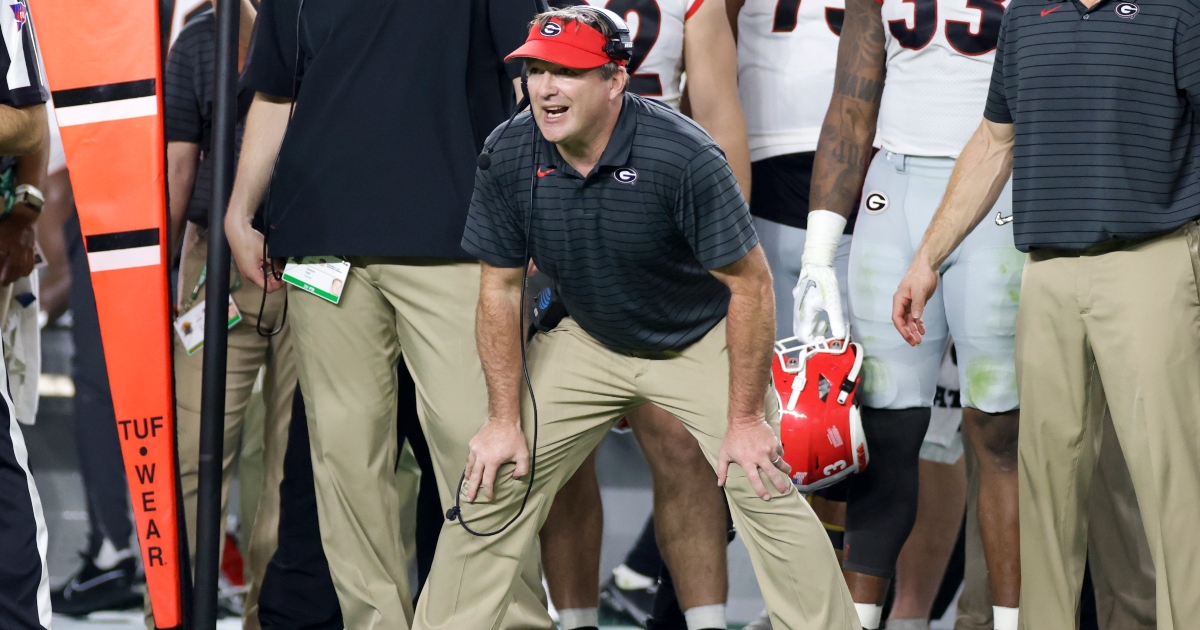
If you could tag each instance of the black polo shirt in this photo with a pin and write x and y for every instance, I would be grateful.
(188, 86)
(394, 100)
(1104, 106)
(631, 245)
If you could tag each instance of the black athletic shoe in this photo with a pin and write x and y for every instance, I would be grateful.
(636, 605)
(93, 589)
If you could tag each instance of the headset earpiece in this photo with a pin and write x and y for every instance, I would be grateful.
(619, 47)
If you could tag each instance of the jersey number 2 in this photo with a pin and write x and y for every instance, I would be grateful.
(925, 20)
(787, 17)
(649, 23)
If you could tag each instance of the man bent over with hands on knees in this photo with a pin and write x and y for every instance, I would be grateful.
(646, 235)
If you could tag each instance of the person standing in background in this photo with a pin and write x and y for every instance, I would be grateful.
(188, 97)
(108, 577)
(374, 168)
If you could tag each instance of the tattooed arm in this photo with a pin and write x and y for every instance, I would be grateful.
(844, 148)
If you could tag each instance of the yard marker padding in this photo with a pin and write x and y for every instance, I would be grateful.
(103, 69)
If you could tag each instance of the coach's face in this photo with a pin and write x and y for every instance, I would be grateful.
(572, 106)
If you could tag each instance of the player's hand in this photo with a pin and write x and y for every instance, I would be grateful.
(754, 446)
(908, 304)
(17, 239)
(817, 292)
(495, 444)
(246, 244)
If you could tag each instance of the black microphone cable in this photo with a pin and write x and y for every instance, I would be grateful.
(455, 513)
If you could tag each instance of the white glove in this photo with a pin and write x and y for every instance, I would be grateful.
(817, 290)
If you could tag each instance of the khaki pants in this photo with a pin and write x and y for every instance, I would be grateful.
(248, 352)
(582, 388)
(423, 311)
(1121, 328)
(1118, 555)
(1122, 569)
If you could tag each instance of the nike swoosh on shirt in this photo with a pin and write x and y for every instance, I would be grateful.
(1003, 220)
(1046, 12)
(544, 172)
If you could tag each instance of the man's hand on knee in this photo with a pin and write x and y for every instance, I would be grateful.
(753, 446)
(495, 444)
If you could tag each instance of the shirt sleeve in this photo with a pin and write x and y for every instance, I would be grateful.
(24, 83)
(493, 233)
(509, 21)
(998, 109)
(1187, 58)
(712, 213)
(182, 116)
(271, 67)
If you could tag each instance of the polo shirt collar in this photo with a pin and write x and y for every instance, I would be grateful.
(620, 143)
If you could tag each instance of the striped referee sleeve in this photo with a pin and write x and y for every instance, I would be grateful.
(24, 78)
(711, 212)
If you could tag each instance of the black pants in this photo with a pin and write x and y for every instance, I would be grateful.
(20, 559)
(297, 591)
(100, 462)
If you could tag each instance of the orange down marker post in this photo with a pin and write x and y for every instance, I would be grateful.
(102, 66)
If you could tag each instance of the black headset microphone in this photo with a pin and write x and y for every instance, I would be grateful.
(619, 48)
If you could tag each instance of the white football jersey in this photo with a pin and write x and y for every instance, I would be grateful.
(656, 26)
(939, 65)
(787, 53)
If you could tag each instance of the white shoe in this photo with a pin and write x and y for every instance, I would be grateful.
(762, 623)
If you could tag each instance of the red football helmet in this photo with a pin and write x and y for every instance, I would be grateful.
(821, 429)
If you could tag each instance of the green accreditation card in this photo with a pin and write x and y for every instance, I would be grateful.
(190, 326)
(322, 276)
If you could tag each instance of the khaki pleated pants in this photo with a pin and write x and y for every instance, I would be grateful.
(424, 312)
(582, 388)
(1120, 561)
(248, 352)
(1115, 326)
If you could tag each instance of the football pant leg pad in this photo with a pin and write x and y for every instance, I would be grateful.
(881, 505)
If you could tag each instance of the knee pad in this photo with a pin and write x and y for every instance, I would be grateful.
(881, 505)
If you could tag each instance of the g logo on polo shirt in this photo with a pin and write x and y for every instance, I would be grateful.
(875, 202)
(550, 29)
(1127, 10)
(625, 175)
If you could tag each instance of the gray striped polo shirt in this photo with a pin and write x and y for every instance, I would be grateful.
(630, 246)
(1103, 102)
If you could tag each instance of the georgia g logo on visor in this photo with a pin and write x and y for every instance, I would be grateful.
(550, 29)
(1127, 10)
(625, 175)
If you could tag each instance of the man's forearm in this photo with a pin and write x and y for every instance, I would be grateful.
(844, 147)
(182, 163)
(499, 344)
(843, 151)
(266, 124)
(978, 178)
(749, 333)
(750, 337)
(31, 170)
(23, 130)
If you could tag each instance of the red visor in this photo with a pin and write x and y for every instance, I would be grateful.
(574, 45)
